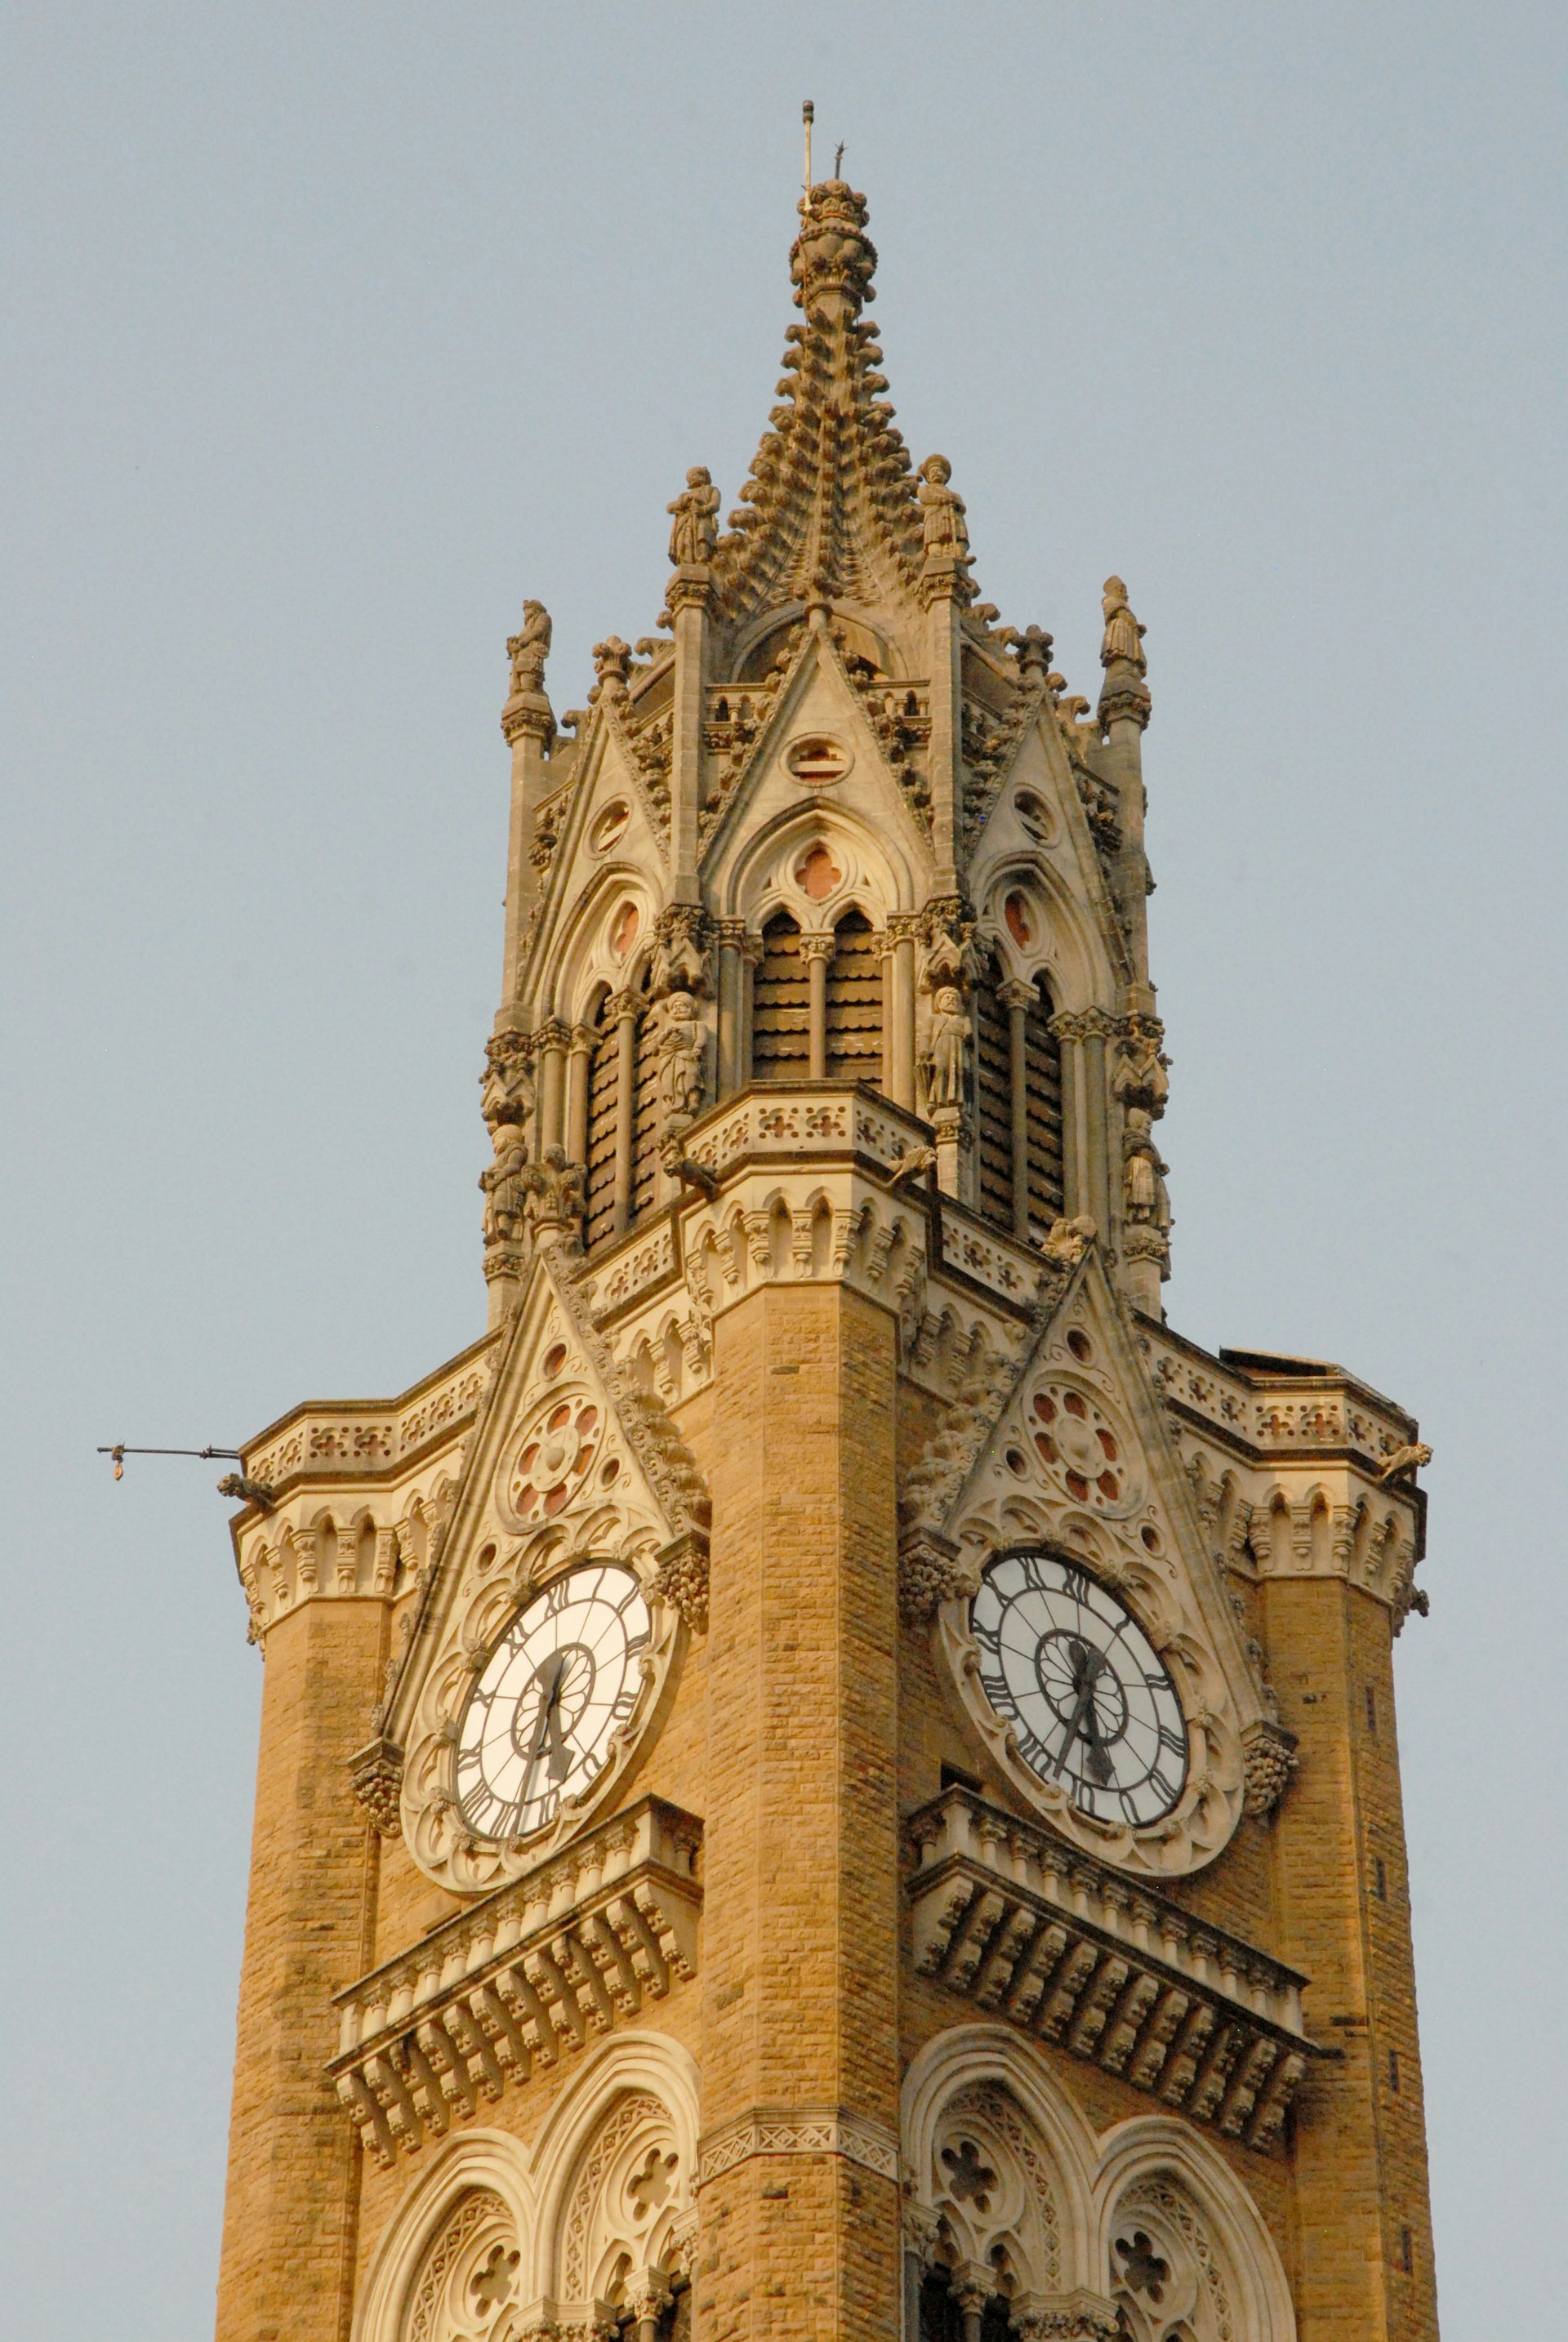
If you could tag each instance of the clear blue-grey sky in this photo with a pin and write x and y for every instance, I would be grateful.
(332, 333)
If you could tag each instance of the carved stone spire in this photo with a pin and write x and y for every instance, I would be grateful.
(829, 507)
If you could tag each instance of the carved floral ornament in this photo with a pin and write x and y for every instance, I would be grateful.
(572, 1465)
(1073, 1460)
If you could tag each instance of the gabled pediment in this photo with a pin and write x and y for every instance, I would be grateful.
(815, 700)
(1075, 1456)
(570, 1461)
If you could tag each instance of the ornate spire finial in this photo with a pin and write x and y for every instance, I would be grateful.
(808, 116)
(833, 259)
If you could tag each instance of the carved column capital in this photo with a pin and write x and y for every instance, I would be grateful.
(816, 946)
(1076, 2317)
(1017, 994)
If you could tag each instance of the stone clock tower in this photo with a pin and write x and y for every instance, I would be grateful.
(832, 1775)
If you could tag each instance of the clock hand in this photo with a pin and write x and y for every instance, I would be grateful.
(1084, 1672)
(547, 1723)
(1085, 1718)
(560, 1753)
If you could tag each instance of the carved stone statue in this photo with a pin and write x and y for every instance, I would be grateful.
(1140, 1078)
(944, 527)
(529, 650)
(1123, 638)
(695, 536)
(503, 1182)
(682, 1048)
(1144, 1198)
(553, 1189)
(507, 1092)
(947, 1049)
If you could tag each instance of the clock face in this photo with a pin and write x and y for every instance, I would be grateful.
(563, 1677)
(1093, 1707)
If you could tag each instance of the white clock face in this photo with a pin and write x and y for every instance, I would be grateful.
(563, 1677)
(1092, 1706)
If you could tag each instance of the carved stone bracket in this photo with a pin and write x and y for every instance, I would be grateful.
(681, 1578)
(375, 1773)
(1270, 1763)
(931, 1573)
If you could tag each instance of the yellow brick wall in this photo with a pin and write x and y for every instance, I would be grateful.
(291, 2210)
(800, 1924)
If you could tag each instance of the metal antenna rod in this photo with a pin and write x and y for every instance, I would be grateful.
(120, 1451)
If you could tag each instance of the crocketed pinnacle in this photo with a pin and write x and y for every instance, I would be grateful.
(829, 511)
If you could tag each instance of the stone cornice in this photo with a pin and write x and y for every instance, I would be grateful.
(1008, 1917)
(332, 1440)
(533, 1970)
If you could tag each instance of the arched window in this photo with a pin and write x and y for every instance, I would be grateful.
(602, 1088)
(1018, 1103)
(855, 1008)
(781, 1012)
(646, 1110)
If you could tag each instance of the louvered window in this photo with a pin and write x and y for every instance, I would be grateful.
(646, 1115)
(993, 1098)
(1043, 1056)
(855, 1003)
(780, 1010)
(994, 1104)
(602, 1086)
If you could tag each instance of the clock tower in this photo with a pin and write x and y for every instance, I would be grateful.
(832, 1775)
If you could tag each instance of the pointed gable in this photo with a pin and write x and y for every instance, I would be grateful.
(1075, 1455)
(570, 1461)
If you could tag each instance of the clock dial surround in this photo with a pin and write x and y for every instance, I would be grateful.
(1091, 1705)
(565, 1677)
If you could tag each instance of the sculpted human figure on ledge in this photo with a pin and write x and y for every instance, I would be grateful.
(683, 1047)
(695, 537)
(1124, 638)
(529, 649)
(944, 528)
(946, 1049)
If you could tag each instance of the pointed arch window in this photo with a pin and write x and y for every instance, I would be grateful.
(601, 1090)
(1018, 1102)
(781, 1012)
(645, 1108)
(854, 1003)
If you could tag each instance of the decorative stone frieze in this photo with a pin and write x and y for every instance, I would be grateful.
(528, 1976)
(326, 1441)
(797, 2130)
(1029, 1930)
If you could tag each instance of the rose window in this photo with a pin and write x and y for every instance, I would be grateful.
(1081, 1449)
(555, 1459)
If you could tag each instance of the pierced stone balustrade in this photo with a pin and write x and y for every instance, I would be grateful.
(1031, 1931)
(528, 1975)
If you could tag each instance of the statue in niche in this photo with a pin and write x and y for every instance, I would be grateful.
(1140, 1078)
(695, 536)
(1124, 638)
(682, 1048)
(947, 1049)
(943, 526)
(529, 650)
(1144, 1198)
(504, 1183)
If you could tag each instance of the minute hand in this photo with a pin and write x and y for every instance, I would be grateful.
(1086, 1700)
